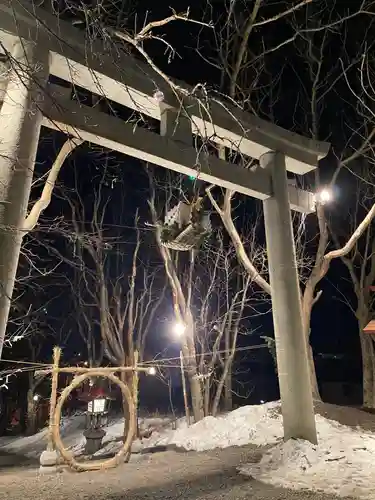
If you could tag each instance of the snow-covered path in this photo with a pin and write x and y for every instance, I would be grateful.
(209, 475)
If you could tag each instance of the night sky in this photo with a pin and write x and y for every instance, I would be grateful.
(281, 94)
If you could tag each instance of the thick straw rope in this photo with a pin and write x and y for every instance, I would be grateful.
(130, 426)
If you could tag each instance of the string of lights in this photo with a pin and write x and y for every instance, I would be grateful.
(162, 363)
(223, 351)
(24, 362)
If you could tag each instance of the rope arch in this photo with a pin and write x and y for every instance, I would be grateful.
(129, 426)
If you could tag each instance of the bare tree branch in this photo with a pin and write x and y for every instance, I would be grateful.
(45, 199)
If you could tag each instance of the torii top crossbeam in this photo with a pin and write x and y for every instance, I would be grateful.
(133, 84)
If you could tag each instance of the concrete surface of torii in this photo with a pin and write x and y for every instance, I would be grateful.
(43, 45)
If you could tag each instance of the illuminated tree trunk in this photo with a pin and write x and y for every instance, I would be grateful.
(190, 362)
(307, 305)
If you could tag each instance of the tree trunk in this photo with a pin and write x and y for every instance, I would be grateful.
(207, 394)
(228, 395)
(313, 378)
(307, 305)
(3, 413)
(223, 379)
(125, 408)
(367, 370)
(190, 362)
(31, 420)
(228, 368)
(196, 396)
(368, 357)
(219, 390)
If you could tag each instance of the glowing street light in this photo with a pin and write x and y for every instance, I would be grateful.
(152, 370)
(324, 196)
(179, 329)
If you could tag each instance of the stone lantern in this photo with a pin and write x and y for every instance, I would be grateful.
(97, 400)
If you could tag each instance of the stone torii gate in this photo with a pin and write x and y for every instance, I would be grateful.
(42, 45)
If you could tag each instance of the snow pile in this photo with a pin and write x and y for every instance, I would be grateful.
(341, 464)
(32, 446)
(71, 431)
(258, 424)
(112, 442)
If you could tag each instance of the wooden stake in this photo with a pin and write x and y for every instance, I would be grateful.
(53, 399)
(135, 390)
(187, 411)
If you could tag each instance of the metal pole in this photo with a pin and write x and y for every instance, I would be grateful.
(291, 348)
(20, 118)
(187, 412)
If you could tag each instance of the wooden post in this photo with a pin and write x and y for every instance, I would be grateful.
(187, 412)
(49, 457)
(135, 390)
(53, 399)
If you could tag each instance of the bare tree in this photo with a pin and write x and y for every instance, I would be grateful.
(117, 297)
(32, 332)
(231, 290)
(360, 263)
(224, 302)
(181, 306)
(210, 296)
(311, 41)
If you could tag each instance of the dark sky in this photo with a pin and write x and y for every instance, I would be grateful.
(281, 94)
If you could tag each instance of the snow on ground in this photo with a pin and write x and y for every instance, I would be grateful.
(32, 446)
(72, 435)
(342, 463)
(258, 424)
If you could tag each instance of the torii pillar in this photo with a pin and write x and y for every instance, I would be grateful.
(20, 118)
(291, 347)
